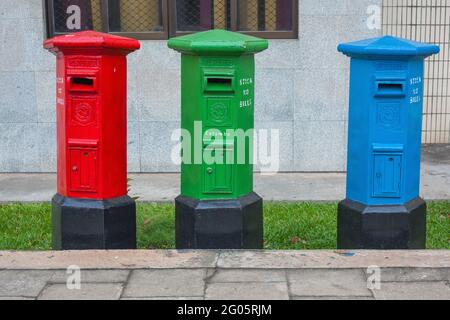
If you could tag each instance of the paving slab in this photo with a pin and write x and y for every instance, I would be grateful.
(108, 259)
(414, 274)
(166, 283)
(333, 259)
(328, 282)
(247, 275)
(88, 291)
(439, 290)
(93, 276)
(23, 283)
(229, 259)
(247, 291)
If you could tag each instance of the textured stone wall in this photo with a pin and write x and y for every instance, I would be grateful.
(301, 89)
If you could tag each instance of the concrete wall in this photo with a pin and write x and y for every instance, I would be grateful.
(301, 89)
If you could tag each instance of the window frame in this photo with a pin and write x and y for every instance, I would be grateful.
(147, 35)
(290, 34)
(169, 23)
(49, 16)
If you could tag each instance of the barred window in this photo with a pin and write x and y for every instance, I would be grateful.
(201, 15)
(77, 15)
(265, 15)
(162, 19)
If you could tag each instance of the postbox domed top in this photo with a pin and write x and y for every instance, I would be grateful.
(219, 42)
(388, 46)
(91, 39)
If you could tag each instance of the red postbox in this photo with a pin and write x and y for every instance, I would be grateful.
(91, 209)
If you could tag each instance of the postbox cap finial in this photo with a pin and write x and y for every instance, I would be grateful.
(218, 41)
(91, 39)
(388, 46)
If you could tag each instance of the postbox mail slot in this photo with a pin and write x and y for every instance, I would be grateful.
(216, 84)
(82, 84)
(218, 177)
(87, 143)
(381, 147)
(390, 88)
(218, 80)
(83, 165)
(387, 170)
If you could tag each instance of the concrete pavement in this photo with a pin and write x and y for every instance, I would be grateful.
(162, 187)
(225, 275)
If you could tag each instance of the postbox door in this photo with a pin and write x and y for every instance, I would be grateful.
(83, 169)
(218, 177)
(387, 175)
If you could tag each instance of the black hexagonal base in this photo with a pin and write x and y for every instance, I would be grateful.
(80, 224)
(222, 224)
(382, 227)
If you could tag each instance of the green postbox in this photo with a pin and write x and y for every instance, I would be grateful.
(217, 208)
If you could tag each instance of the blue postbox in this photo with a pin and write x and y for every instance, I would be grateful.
(382, 209)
